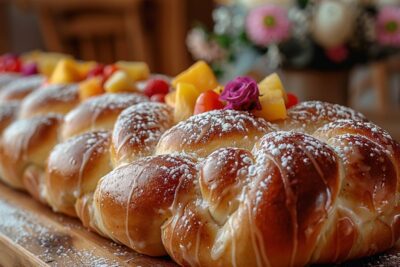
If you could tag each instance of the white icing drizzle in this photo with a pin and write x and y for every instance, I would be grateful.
(132, 187)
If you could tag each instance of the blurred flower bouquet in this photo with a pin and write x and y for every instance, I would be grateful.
(263, 35)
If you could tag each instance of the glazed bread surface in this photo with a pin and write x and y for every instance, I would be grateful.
(266, 197)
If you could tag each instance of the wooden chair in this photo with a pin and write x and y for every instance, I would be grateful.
(100, 30)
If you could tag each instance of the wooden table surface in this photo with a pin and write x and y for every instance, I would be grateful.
(32, 235)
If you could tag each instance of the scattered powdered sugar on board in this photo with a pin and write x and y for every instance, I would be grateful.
(51, 246)
(390, 258)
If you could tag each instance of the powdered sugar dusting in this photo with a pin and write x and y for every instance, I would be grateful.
(308, 116)
(60, 93)
(50, 245)
(21, 85)
(282, 146)
(8, 110)
(200, 128)
(141, 126)
(113, 101)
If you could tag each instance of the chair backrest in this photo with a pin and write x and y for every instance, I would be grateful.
(101, 30)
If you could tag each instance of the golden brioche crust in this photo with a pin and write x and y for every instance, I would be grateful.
(136, 200)
(8, 113)
(308, 116)
(204, 133)
(224, 188)
(58, 99)
(283, 199)
(20, 88)
(6, 78)
(24, 143)
(138, 129)
(98, 113)
(74, 168)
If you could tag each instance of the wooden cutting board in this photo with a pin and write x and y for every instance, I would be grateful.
(32, 235)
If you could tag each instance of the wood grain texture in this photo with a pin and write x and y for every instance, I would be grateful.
(32, 235)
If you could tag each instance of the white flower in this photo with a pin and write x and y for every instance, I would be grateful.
(333, 23)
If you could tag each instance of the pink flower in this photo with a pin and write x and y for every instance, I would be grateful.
(241, 94)
(267, 24)
(201, 48)
(29, 69)
(388, 26)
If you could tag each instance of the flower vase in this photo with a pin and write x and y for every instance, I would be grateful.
(329, 86)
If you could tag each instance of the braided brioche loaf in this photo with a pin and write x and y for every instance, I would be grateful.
(44, 118)
(224, 188)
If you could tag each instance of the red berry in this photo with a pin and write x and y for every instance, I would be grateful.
(158, 98)
(292, 100)
(96, 71)
(209, 100)
(10, 63)
(156, 86)
(109, 70)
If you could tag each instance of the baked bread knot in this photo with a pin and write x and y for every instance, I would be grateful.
(138, 129)
(7, 77)
(18, 89)
(58, 99)
(308, 116)
(40, 115)
(75, 166)
(202, 134)
(98, 113)
(25, 145)
(280, 198)
(8, 113)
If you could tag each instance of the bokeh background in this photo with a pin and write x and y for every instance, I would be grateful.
(156, 31)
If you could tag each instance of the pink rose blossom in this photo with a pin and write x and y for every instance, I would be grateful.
(241, 94)
(267, 24)
(388, 26)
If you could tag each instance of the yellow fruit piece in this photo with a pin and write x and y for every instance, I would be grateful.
(66, 71)
(185, 100)
(273, 106)
(170, 98)
(84, 67)
(272, 82)
(137, 71)
(219, 89)
(118, 82)
(200, 75)
(46, 61)
(90, 87)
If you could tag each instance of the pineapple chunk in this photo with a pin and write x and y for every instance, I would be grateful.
(170, 98)
(185, 100)
(90, 87)
(273, 106)
(137, 71)
(200, 75)
(272, 82)
(118, 82)
(66, 71)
